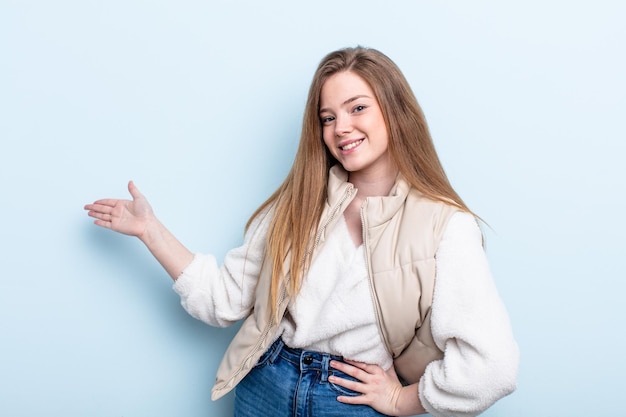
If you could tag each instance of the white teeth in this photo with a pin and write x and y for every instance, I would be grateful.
(351, 145)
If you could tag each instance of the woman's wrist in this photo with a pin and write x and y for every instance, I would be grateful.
(152, 233)
(164, 246)
(408, 401)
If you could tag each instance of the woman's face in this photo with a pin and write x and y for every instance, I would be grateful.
(353, 126)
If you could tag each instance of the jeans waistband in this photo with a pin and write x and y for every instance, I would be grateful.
(305, 360)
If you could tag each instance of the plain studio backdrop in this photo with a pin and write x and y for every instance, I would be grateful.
(200, 103)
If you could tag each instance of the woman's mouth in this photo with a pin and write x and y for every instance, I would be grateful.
(351, 145)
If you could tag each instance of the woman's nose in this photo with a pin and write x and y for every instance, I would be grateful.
(343, 125)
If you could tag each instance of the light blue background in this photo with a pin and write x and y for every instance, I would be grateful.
(200, 103)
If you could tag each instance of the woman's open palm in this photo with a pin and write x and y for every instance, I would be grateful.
(129, 217)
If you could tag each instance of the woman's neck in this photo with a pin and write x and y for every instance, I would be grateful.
(373, 184)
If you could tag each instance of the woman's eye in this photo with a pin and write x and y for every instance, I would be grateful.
(327, 119)
(359, 108)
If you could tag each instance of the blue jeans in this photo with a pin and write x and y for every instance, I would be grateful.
(290, 382)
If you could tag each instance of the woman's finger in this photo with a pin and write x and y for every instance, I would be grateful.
(133, 190)
(367, 367)
(347, 383)
(107, 217)
(358, 370)
(102, 204)
(346, 368)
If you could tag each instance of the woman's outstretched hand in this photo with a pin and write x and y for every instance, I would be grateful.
(136, 218)
(379, 389)
(129, 217)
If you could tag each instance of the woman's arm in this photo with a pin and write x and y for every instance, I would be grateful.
(136, 218)
(471, 326)
(218, 295)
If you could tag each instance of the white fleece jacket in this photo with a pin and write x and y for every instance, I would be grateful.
(469, 321)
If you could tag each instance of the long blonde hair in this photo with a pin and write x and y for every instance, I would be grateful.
(299, 201)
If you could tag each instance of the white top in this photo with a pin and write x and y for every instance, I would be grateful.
(334, 310)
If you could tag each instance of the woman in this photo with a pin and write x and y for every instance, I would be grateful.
(362, 280)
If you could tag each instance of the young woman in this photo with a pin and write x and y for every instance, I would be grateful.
(362, 280)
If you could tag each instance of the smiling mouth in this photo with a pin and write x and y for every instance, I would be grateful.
(351, 145)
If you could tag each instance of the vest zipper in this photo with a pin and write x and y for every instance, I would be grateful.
(346, 195)
(371, 281)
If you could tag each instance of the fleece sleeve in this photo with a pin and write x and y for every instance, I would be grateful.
(471, 326)
(221, 295)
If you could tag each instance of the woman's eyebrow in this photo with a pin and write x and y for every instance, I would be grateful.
(350, 100)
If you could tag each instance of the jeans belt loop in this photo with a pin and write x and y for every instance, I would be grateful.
(325, 367)
(277, 347)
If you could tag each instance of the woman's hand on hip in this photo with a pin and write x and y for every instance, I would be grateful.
(379, 389)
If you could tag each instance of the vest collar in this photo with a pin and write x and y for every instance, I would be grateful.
(379, 209)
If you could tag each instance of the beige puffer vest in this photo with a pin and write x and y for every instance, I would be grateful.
(401, 235)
